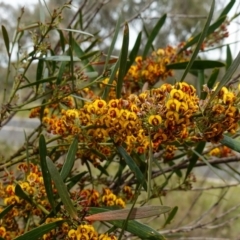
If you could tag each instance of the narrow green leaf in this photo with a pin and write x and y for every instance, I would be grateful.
(61, 72)
(87, 55)
(80, 20)
(92, 45)
(62, 58)
(61, 188)
(5, 211)
(193, 160)
(134, 52)
(70, 159)
(197, 65)
(123, 61)
(200, 41)
(210, 30)
(39, 82)
(212, 79)
(41, 115)
(121, 167)
(6, 39)
(111, 79)
(231, 143)
(74, 30)
(62, 40)
(149, 172)
(133, 166)
(75, 179)
(134, 213)
(38, 232)
(20, 193)
(80, 53)
(110, 49)
(102, 170)
(171, 216)
(45, 172)
(229, 57)
(200, 83)
(226, 10)
(136, 228)
(70, 53)
(41, 12)
(208, 164)
(153, 34)
(227, 76)
(39, 73)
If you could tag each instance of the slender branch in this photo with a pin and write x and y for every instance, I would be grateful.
(205, 188)
(198, 164)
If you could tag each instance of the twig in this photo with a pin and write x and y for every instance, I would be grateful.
(172, 15)
(204, 189)
(198, 164)
(234, 80)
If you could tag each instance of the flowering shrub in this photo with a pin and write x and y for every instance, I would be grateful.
(107, 133)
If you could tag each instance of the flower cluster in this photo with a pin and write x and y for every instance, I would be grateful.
(38, 206)
(168, 112)
(154, 67)
(33, 186)
(221, 151)
(220, 115)
(92, 198)
(217, 36)
(87, 232)
(156, 117)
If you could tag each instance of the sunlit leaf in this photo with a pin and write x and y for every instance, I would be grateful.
(136, 228)
(134, 213)
(74, 30)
